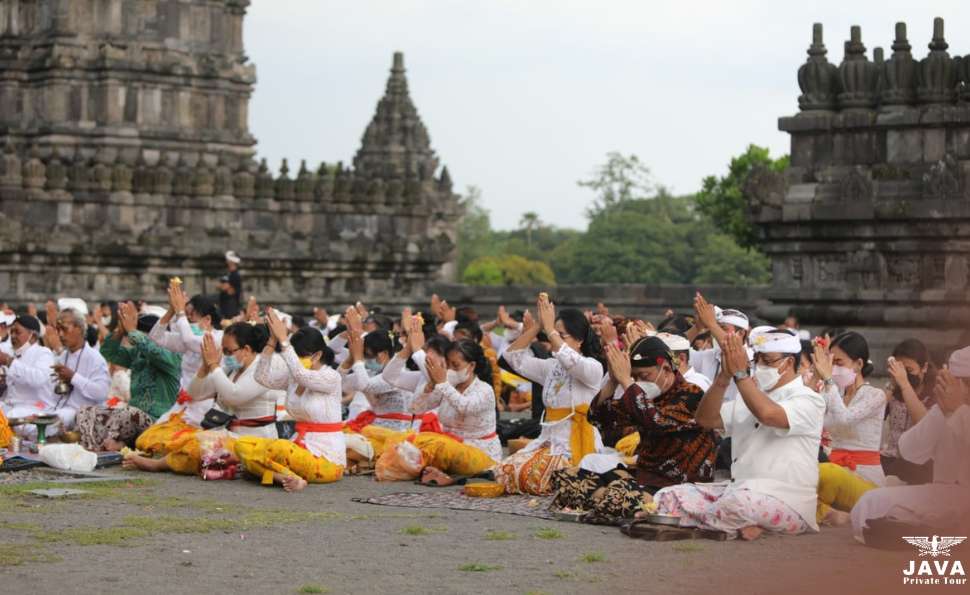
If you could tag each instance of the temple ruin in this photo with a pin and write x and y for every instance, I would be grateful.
(127, 159)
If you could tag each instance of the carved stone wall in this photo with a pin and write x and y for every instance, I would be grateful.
(126, 159)
(873, 222)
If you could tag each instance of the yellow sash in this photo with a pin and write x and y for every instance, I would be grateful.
(581, 437)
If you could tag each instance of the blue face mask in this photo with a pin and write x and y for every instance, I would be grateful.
(230, 364)
(373, 366)
(197, 330)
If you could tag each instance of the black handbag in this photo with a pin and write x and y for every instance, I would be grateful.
(215, 418)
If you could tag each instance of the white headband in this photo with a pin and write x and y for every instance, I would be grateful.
(733, 317)
(674, 342)
(768, 339)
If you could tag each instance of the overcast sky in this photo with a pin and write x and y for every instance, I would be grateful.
(523, 98)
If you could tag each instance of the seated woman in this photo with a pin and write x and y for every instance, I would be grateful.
(943, 436)
(673, 447)
(229, 377)
(913, 379)
(317, 452)
(461, 392)
(570, 381)
(854, 418)
(390, 405)
(154, 383)
(776, 426)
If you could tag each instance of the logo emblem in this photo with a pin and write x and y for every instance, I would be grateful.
(934, 546)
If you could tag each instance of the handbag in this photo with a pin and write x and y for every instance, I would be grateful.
(214, 418)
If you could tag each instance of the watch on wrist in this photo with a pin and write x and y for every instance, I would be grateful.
(742, 374)
(285, 345)
(828, 381)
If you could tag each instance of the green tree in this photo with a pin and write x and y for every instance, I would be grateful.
(721, 260)
(474, 234)
(529, 222)
(722, 200)
(620, 179)
(508, 270)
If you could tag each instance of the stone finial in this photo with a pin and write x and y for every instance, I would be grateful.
(444, 182)
(396, 138)
(859, 77)
(284, 185)
(962, 66)
(184, 176)
(223, 178)
(323, 189)
(265, 187)
(937, 73)
(304, 182)
(244, 182)
(899, 72)
(817, 78)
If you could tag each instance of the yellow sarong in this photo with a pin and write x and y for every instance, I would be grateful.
(582, 440)
(5, 432)
(264, 456)
(839, 488)
(439, 451)
(154, 439)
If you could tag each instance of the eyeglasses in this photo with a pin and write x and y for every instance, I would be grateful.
(230, 351)
(760, 359)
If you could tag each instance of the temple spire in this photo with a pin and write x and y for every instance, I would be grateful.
(396, 143)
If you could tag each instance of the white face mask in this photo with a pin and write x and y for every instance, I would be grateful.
(766, 377)
(650, 389)
(456, 377)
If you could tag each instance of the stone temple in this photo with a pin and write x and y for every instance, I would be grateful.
(127, 159)
(870, 226)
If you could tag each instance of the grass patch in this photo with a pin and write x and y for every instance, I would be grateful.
(15, 554)
(548, 533)
(688, 547)
(563, 575)
(312, 589)
(593, 557)
(415, 530)
(92, 535)
(476, 567)
(178, 525)
(499, 536)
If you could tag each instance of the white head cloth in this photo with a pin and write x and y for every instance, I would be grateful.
(674, 342)
(7, 319)
(72, 304)
(769, 339)
(733, 317)
(153, 310)
(960, 363)
(233, 257)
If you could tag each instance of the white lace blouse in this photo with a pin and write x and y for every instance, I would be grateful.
(470, 415)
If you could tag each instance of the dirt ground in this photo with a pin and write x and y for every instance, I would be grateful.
(169, 534)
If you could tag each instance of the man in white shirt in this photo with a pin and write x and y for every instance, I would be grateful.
(681, 350)
(943, 436)
(776, 426)
(30, 387)
(79, 365)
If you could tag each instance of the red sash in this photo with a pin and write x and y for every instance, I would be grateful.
(254, 422)
(366, 418)
(851, 458)
(431, 423)
(183, 397)
(306, 427)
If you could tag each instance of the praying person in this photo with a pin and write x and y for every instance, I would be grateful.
(230, 287)
(943, 436)
(571, 380)
(154, 383)
(718, 323)
(776, 424)
(30, 388)
(913, 378)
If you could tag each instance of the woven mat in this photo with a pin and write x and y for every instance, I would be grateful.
(532, 506)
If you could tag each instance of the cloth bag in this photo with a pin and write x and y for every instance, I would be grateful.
(68, 457)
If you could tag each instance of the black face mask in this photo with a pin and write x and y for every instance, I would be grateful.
(914, 380)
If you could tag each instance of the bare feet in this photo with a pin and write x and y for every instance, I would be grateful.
(293, 483)
(751, 533)
(434, 476)
(135, 461)
(836, 518)
(111, 445)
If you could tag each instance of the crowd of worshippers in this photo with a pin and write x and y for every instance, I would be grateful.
(727, 426)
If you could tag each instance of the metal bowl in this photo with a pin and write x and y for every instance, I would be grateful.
(663, 519)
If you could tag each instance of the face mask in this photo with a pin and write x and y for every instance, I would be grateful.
(306, 362)
(106, 320)
(230, 364)
(373, 366)
(914, 380)
(197, 330)
(766, 377)
(456, 377)
(650, 389)
(843, 377)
